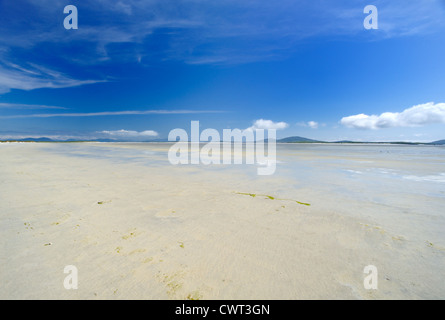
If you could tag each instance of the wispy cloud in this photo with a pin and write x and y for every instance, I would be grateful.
(212, 32)
(194, 32)
(130, 133)
(310, 124)
(13, 76)
(419, 115)
(27, 106)
(108, 113)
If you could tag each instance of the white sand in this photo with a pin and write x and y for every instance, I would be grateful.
(165, 232)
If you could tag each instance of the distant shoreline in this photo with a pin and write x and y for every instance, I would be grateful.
(439, 143)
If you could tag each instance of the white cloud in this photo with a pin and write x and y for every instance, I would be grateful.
(268, 124)
(419, 115)
(131, 134)
(313, 124)
(310, 124)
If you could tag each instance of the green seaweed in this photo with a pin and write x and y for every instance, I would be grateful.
(147, 260)
(436, 247)
(136, 251)
(381, 230)
(126, 237)
(103, 202)
(174, 286)
(194, 296)
(172, 282)
(253, 195)
(28, 226)
(398, 238)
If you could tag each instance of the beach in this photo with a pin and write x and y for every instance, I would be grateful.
(137, 227)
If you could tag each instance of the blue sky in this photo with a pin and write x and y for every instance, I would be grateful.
(137, 69)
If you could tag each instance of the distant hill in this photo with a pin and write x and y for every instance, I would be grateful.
(42, 139)
(439, 142)
(346, 141)
(297, 139)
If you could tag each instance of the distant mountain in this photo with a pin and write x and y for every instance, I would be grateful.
(378, 142)
(42, 139)
(306, 140)
(297, 139)
(346, 141)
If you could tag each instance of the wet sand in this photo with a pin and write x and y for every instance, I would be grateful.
(140, 228)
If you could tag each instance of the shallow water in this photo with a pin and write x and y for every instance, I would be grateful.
(400, 187)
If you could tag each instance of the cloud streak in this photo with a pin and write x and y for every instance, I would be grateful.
(13, 76)
(108, 113)
(419, 115)
(130, 133)
(189, 26)
(28, 106)
(194, 32)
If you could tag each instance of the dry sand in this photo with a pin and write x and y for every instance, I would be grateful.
(166, 232)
